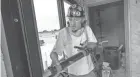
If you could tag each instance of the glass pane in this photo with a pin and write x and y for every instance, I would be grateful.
(48, 27)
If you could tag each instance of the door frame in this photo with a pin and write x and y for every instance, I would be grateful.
(127, 30)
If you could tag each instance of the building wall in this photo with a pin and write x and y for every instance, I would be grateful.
(135, 37)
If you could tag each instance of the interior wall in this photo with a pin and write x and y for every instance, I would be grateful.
(135, 37)
(109, 25)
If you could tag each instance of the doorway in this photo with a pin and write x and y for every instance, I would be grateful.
(107, 23)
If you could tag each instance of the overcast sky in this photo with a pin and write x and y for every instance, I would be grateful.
(47, 14)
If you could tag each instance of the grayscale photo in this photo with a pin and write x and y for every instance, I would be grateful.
(70, 38)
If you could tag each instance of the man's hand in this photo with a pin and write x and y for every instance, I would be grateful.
(54, 58)
(55, 61)
(58, 67)
(89, 47)
(86, 48)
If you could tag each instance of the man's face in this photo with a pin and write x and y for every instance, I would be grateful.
(75, 23)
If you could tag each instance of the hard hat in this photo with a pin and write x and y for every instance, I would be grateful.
(75, 11)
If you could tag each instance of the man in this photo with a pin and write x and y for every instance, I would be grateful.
(77, 34)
